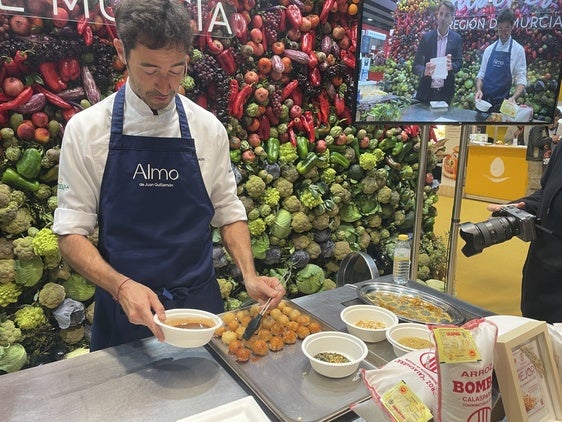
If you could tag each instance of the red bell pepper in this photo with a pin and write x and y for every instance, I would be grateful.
(22, 98)
(88, 36)
(273, 118)
(240, 27)
(69, 69)
(11, 68)
(307, 42)
(264, 128)
(348, 59)
(20, 58)
(326, 8)
(69, 112)
(296, 95)
(51, 76)
(294, 16)
(81, 25)
(313, 61)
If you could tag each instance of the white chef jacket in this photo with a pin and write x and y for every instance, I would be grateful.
(85, 147)
(517, 62)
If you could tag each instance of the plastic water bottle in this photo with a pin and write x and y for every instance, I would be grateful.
(401, 268)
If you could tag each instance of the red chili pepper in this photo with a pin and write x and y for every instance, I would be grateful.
(324, 107)
(307, 42)
(296, 95)
(81, 25)
(314, 77)
(326, 10)
(21, 61)
(288, 90)
(292, 136)
(4, 97)
(227, 62)
(238, 106)
(273, 118)
(53, 98)
(309, 125)
(339, 104)
(313, 62)
(22, 98)
(283, 20)
(232, 94)
(51, 76)
(294, 15)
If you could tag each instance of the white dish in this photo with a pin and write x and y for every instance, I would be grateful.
(242, 410)
(507, 323)
(351, 314)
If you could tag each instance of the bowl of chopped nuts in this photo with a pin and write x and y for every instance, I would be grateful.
(334, 354)
(368, 322)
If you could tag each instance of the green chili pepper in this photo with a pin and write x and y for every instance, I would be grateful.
(272, 150)
(387, 143)
(304, 166)
(12, 178)
(51, 175)
(397, 149)
(339, 159)
(302, 147)
(29, 164)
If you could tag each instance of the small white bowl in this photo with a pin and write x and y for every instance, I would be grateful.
(407, 329)
(352, 314)
(482, 105)
(345, 344)
(189, 337)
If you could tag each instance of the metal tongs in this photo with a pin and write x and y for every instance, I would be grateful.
(255, 322)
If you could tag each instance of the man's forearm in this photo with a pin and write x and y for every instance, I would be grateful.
(519, 89)
(237, 241)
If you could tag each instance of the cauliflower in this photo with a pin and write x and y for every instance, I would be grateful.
(341, 249)
(51, 295)
(226, 287)
(9, 333)
(30, 317)
(339, 193)
(264, 210)
(248, 203)
(284, 187)
(289, 172)
(255, 186)
(287, 153)
(321, 222)
(6, 248)
(20, 224)
(271, 196)
(300, 222)
(7, 270)
(369, 185)
(301, 241)
(5, 195)
(383, 195)
(9, 212)
(72, 335)
(62, 272)
(19, 197)
(292, 204)
(313, 249)
(23, 248)
(257, 226)
(9, 293)
(45, 244)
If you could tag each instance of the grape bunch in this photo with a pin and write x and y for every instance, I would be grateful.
(271, 22)
(275, 100)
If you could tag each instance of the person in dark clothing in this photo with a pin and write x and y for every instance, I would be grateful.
(541, 290)
(441, 42)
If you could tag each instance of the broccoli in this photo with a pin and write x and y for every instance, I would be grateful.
(255, 186)
(20, 224)
(7, 270)
(30, 317)
(45, 244)
(257, 226)
(423, 259)
(271, 196)
(383, 195)
(284, 187)
(300, 222)
(287, 153)
(51, 295)
(9, 333)
(292, 204)
(375, 237)
(399, 217)
(72, 335)
(6, 248)
(9, 293)
(341, 249)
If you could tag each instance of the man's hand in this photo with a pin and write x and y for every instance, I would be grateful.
(261, 288)
(138, 302)
(497, 207)
(449, 63)
(478, 95)
(429, 69)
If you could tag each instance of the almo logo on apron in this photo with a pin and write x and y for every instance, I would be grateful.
(155, 174)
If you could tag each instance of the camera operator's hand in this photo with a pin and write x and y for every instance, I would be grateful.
(497, 207)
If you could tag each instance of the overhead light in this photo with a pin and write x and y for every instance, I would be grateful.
(370, 19)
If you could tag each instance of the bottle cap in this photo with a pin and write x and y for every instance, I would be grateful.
(402, 237)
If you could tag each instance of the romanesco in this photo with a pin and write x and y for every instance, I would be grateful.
(310, 198)
(9, 333)
(369, 160)
(23, 248)
(284, 187)
(255, 186)
(7, 270)
(328, 175)
(45, 244)
(226, 287)
(257, 226)
(271, 196)
(20, 224)
(300, 222)
(51, 295)
(30, 317)
(287, 153)
(9, 293)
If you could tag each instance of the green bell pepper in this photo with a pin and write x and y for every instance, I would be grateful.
(338, 159)
(304, 166)
(29, 164)
(302, 147)
(272, 150)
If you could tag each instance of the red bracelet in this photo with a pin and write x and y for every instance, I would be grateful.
(116, 297)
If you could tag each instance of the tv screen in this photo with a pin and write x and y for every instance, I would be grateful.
(458, 62)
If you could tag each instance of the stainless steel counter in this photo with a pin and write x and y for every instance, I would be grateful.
(147, 380)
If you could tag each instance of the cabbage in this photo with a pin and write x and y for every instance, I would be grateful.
(78, 288)
(29, 271)
(12, 358)
(281, 228)
(310, 279)
(260, 245)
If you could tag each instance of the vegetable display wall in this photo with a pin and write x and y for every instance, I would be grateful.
(315, 188)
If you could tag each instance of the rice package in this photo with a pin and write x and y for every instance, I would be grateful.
(465, 366)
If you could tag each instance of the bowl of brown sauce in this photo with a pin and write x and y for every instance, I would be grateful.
(188, 328)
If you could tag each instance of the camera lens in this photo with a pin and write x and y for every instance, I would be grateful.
(490, 232)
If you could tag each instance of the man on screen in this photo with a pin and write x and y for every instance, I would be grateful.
(503, 64)
(438, 58)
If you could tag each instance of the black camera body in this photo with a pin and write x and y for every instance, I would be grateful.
(503, 225)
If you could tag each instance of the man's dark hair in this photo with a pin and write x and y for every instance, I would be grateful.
(449, 5)
(154, 23)
(506, 15)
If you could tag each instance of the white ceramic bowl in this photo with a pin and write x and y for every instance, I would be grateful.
(407, 329)
(346, 344)
(482, 105)
(189, 337)
(352, 314)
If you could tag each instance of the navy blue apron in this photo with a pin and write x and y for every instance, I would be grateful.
(154, 218)
(497, 79)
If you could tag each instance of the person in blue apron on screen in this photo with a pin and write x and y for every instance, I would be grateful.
(503, 65)
(151, 169)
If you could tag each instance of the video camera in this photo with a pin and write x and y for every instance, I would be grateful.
(503, 225)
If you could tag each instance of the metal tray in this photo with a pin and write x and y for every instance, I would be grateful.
(415, 302)
(286, 383)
